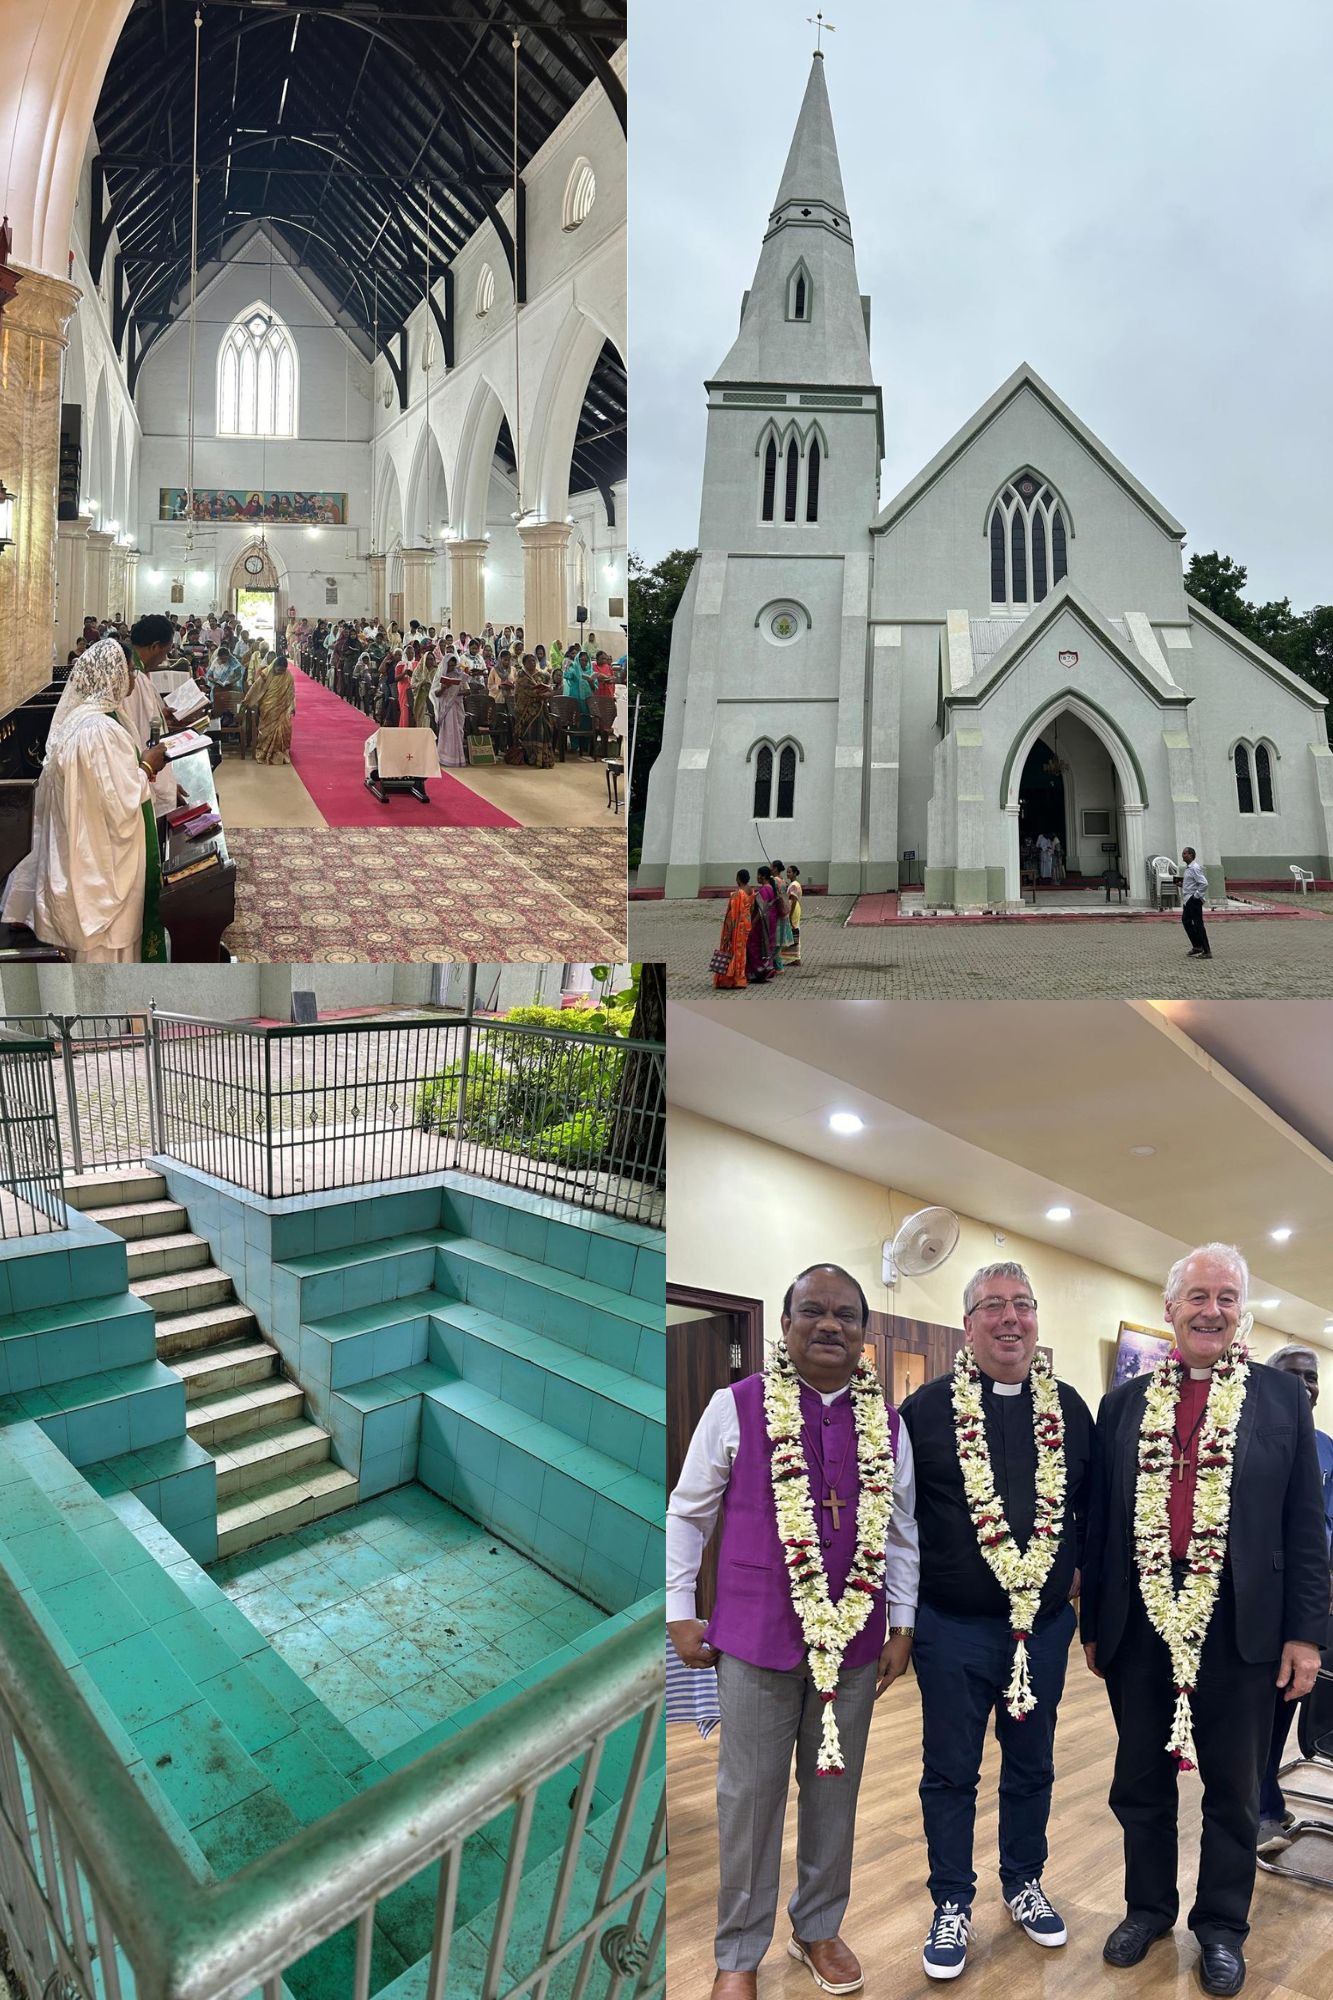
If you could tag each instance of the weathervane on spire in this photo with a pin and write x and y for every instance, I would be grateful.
(821, 27)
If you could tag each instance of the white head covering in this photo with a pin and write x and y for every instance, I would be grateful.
(99, 678)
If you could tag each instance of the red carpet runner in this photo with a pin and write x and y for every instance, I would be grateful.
(328, 739)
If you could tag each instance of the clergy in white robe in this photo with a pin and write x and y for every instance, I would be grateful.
(90, 884)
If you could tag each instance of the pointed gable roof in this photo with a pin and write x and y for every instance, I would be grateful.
(1066, 596)
(1026, 378)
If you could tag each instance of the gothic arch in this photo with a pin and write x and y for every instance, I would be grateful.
(470, 489)
(56, 57)
(388, 509)
(548, 448)
(99, 464)
(426, 513)
(1041, 482)
(1124, 761)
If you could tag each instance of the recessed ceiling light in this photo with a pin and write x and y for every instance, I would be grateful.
(1328, 1328)
(1058, 1214)
(845, 1121)
(1280, 1235)
(1143, 1152)
(1268, 1305)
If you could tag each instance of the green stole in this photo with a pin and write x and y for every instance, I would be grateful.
(152, 938)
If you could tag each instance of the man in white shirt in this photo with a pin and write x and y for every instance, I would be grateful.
(773, 1697)
(1193, 889)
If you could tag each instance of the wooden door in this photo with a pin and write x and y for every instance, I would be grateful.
(699, 1363)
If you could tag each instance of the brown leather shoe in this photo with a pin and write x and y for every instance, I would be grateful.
(831, 1964)
(734, 1986)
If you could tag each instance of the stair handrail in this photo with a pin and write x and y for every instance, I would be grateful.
(191, 1940)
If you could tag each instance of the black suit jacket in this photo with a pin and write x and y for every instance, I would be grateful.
(1277, 1555)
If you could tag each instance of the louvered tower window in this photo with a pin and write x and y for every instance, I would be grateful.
(763, 782)
(786, 782)
(1244, 785)
(770, 479)
(793, 481)
(812, 482)
(1028, 542)
(1263, 777)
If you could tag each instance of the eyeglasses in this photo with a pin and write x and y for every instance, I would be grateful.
(1021, 1305)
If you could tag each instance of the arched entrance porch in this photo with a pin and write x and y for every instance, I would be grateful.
(1072, 773)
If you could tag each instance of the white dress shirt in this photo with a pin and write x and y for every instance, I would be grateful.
(694, 1506)
(1194, 882)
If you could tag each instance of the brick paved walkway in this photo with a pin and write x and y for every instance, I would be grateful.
(1254, 958)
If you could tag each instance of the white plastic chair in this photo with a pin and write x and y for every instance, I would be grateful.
(1163, 870)
(1303, 875)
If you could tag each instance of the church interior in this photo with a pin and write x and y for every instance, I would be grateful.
(1093, 1144)
(313, 333)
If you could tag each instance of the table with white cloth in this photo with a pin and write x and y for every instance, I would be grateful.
(401, 760)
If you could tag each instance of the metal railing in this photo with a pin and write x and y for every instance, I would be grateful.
(103, 1093)
(99, 1905)
(289, 1110)
(31, 1170)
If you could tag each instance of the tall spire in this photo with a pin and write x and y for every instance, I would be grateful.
(803, 320)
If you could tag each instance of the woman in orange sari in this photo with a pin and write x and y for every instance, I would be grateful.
(729, 958)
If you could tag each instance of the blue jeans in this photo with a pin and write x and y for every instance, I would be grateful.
(963, 1667)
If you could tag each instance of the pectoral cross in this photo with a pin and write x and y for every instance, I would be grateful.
(837, 1505)
(1181, 1464)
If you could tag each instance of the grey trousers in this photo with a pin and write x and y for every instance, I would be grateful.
(765, 1716)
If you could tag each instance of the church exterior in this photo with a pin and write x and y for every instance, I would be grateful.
(1006, 648)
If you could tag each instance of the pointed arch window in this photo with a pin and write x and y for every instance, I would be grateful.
(257, 377)
(786, 782)
(1028, 541)
(763, 781)
(812, 482)
(793, 481)
(800, 294)
(1263, 777)
(1244, 783)
(770, 478)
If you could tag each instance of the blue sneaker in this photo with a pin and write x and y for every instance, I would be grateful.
(1032, 1908)
(945, 1954)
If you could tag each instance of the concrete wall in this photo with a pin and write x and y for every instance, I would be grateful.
(722, 1179)
(237, 993)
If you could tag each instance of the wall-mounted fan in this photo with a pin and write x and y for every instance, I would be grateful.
(924, 1241)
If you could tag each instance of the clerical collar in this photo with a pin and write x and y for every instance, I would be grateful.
(1003, 1388)
(831, 1396)
(1200, 1374)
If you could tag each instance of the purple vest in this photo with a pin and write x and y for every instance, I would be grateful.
(754, 1619)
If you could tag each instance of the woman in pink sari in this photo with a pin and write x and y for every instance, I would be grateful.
(761, 957)
(403, 676)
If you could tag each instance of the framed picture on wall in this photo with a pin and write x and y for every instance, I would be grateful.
(1138, 1349)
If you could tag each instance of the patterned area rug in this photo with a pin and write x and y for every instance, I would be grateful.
(354, 894)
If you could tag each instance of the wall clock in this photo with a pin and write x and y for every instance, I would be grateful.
(254, 565)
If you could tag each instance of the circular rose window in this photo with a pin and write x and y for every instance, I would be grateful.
(782, 624)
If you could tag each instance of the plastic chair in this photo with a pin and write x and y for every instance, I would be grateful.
(1305, 876)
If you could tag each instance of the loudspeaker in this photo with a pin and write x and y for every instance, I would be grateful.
(581, 614)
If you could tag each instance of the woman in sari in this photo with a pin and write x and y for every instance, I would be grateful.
(423, 673)
(91, 882)
(761, 956)
(532, 723)
(388, 690)
(402, 674)
(785, 939)
(447, 694)
(578, 685)
(729, 958)
(273, 697)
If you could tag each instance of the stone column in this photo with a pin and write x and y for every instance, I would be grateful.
(32, 342)
(418, 576)
(97, 576)
(467, 585)
(132, 585)
(116, 582)
(378, 603)
(545, 589)
(71, 569)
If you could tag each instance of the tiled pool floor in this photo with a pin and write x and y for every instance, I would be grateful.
(399, 1612)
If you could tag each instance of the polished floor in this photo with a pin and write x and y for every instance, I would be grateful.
(1289, 1953)
(401, 1611)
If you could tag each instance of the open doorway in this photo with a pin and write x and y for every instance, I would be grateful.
(713, 1339)
(257, 611)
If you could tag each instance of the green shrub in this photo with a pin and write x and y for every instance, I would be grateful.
(579, 1141)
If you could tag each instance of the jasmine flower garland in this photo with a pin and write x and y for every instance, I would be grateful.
(1021, 1573)
(829, 1628)
(1182, 1620)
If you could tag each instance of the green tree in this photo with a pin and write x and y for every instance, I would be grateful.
(1302, 641)
(654, 594)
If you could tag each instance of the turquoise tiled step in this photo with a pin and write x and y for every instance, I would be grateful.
(176, 1481)
(187, 1332)
(580, 1513)
(100, 1415)
(57, 1343)
(255, 1458)
(215, 1418)
(229, 1365)
(280, 1506)
(356, 1274)
(365, 1341)
(583, 1394)
(588, 1317)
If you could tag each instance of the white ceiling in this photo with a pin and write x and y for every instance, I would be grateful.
(1002, 1109)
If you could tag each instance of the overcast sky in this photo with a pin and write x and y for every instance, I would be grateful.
(1137, 199)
